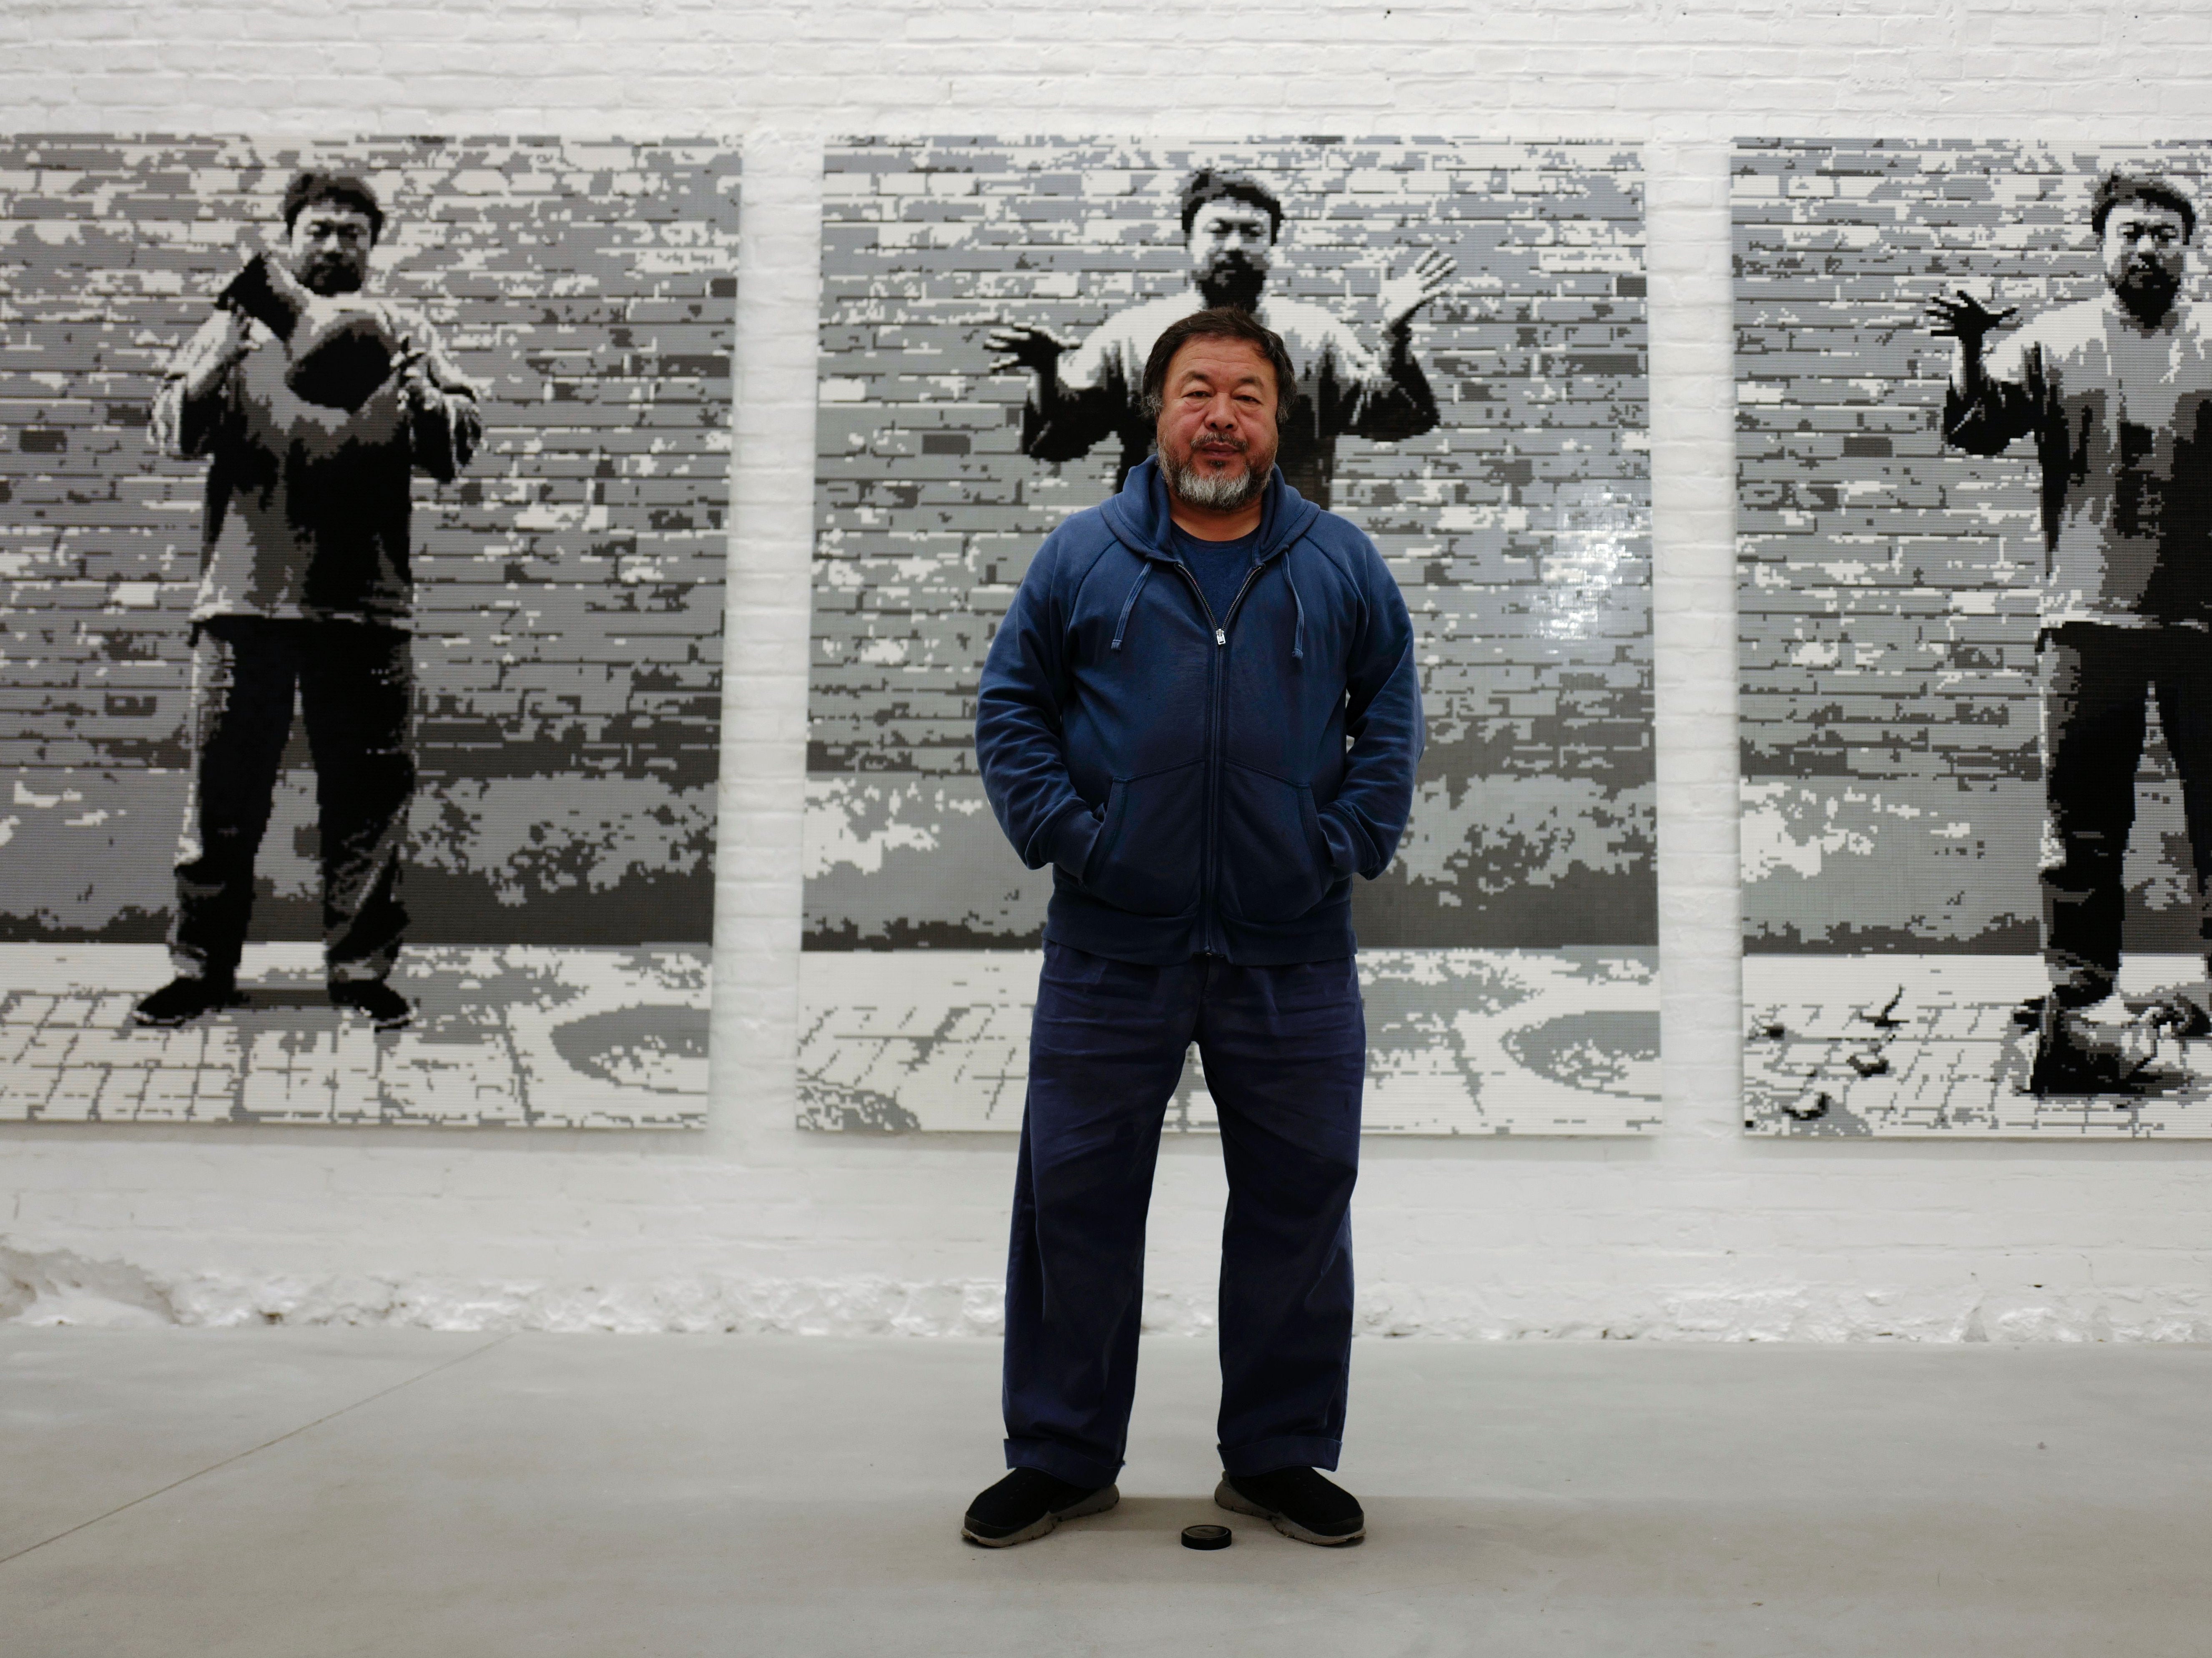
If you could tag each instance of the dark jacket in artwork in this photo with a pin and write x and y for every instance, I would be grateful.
(1202, 783)
(308, 504)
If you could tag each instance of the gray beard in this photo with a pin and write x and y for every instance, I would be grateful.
(1215, 492)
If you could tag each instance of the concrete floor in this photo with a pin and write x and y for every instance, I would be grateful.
(332, 1493)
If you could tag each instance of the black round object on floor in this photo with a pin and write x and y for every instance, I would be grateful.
(1205, 1537)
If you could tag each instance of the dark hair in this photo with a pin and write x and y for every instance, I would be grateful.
(1207, 185)
(1231, 322)
(2117, 186)
(314, 184)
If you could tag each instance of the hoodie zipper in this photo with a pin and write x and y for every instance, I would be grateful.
(1211, 851)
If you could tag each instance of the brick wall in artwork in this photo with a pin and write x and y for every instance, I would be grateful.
(1518, 528)
(568, 586)
(1887, 583)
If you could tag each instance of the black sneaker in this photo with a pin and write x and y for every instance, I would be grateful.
(386, 1008)
(184, 1000)
(1028, 1503)
(1298, 1502)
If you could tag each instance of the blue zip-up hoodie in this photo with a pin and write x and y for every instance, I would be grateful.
(1187, 774)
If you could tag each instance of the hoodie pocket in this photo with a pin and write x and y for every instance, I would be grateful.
(1275, 859)
(1146, 858)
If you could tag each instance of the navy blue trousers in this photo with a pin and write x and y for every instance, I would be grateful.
(1285, 1051)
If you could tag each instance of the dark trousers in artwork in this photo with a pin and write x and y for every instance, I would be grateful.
(2097, 686)
(355, 683)
(1285, 1050)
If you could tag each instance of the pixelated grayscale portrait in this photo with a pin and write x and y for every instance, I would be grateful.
(362, 546)
(1467, 322)
(1974, 530)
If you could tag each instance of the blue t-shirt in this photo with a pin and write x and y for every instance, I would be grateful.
(1219, 566)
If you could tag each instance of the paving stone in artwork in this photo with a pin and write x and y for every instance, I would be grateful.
(1460, 1042)
(516, 1036)
(1927, 1046)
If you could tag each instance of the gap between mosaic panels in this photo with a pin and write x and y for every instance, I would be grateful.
(1460, 1042)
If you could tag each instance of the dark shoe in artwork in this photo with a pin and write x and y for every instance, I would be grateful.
(385, 1007)
(183, 999)
(1298, 1502)
(1028, 1503)
(2075, 1056)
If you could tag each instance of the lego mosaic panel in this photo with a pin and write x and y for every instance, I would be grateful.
(1974, 409)
(1499, 464)
(361, 540)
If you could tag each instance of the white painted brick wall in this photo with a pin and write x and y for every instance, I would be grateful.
(1697, 1234)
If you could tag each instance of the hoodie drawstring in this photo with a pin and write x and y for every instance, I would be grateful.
(1297, 627)
(1121, 622)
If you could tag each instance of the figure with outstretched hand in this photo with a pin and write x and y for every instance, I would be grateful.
(1344, 386)
(1963, 318)
(2115, 392)
(1404, 295)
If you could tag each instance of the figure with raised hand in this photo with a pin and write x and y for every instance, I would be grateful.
(1342, 387)
(2116, 394)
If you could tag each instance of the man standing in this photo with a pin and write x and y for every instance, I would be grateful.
(1230, 224)
(2117, 393)
(306, 588)
(1202, 709)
